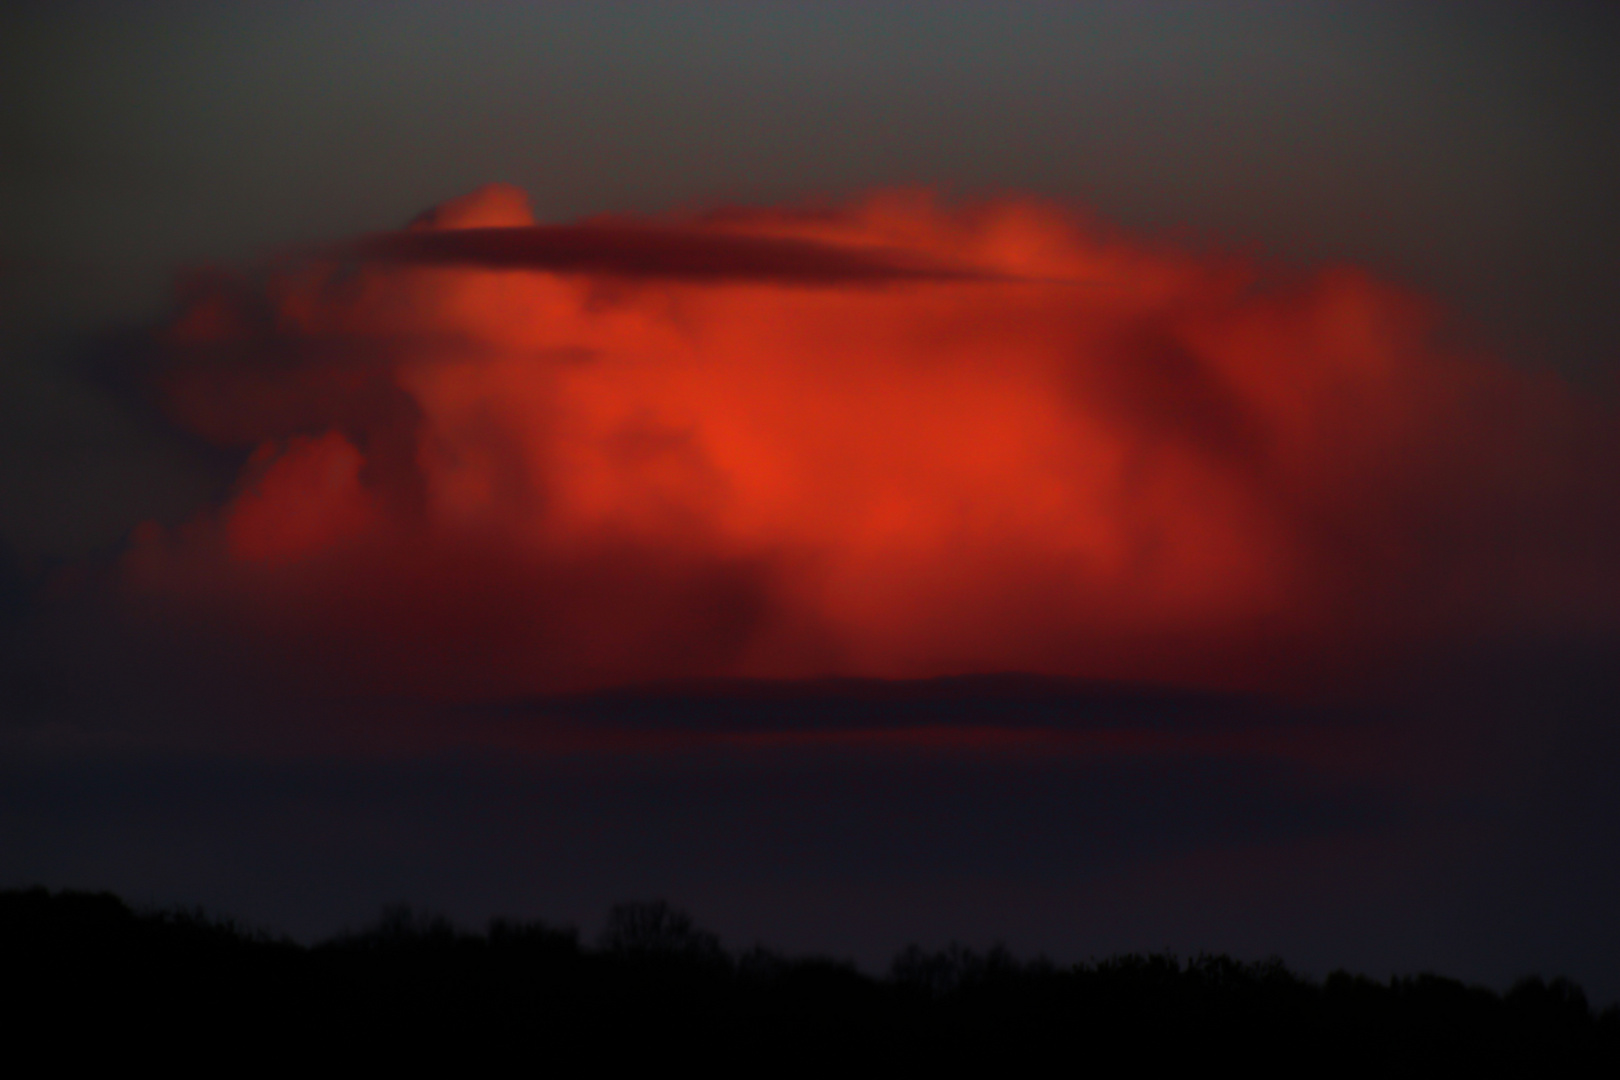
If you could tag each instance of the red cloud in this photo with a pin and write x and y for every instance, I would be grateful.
(890, 440)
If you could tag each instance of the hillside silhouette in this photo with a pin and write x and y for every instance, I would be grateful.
(86, 969)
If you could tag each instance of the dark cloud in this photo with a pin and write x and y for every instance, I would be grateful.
(990, 711)
(642, 250)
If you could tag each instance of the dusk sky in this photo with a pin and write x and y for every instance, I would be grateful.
(1098, 477)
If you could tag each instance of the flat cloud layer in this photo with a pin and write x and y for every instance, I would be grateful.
(886, 439)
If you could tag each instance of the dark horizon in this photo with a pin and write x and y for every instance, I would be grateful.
(657, 985)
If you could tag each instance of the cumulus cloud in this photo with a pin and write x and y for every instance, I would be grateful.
(889, 439)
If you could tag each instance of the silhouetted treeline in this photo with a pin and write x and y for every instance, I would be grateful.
(85, 969)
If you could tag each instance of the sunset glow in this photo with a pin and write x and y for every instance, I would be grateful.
(891, 438)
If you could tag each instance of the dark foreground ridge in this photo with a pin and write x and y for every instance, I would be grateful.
(657, 987)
